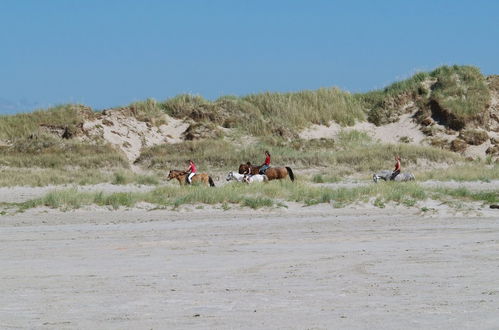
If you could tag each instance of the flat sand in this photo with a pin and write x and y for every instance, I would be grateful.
(297, 268)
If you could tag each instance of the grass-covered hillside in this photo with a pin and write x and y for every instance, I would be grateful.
(67, 143)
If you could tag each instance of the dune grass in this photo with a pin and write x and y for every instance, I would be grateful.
(273, 194)
(462, 90)
(462, 193)
(280, 114)
(353, 150)
(149, 110)
(40, 177)
(50, 152)
(253, 196)
(381, 105)
(25, 124)
(273, 120)
(475, 171)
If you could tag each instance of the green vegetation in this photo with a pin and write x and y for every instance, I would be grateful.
(40, 177)
(254, 196)
(281, 114)
(49, 152)
(257, 196)
(149, 111)
(462, 92)
(490, 197)
(458, 96)
(382, 105)
(26, 124)
(493, 82)
(53, 141)
(474, 136)
(475, 171)
(353, 152)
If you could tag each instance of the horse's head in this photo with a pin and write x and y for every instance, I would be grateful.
(244, 168)
(173, 174)
(375, 178)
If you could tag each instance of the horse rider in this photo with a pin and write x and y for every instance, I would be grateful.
(266, 164)
(397, 168)
(191, 171)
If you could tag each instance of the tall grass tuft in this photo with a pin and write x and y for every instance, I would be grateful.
(461, 90)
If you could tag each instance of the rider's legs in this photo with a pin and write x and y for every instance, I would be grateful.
(189, 177)
(263, 169)
(394, 174)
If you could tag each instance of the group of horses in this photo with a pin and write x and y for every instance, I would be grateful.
(249, 173)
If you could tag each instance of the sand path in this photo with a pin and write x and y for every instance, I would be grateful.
(315, 268)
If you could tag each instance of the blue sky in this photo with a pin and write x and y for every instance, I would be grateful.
(113, 52)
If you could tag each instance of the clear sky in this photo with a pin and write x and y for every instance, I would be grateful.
(107, 53)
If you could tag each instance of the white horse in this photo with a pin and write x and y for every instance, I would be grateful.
(387, 174)
(235, 176)
(255, 178)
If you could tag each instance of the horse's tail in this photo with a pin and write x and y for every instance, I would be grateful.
(290, 173)
(210, 180)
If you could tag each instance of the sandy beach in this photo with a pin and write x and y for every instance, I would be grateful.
(296, 268)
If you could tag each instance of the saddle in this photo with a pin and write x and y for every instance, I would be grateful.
(263, 170)
(187, 178)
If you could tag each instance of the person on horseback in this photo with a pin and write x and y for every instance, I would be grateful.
(266, 164)
(191, 170)
(397, 168)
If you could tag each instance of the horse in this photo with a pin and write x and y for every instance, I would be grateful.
(235, 176)
(386, 175)
(246, 178)
(255, 178)
(181, 176)
(272, 173)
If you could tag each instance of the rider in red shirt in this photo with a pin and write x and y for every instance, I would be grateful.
(397, 168)
(191, 170)
(266, 164)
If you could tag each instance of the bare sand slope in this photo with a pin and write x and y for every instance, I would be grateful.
(264, 270)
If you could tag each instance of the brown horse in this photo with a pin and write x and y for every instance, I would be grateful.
(181, 176)
(273, 173)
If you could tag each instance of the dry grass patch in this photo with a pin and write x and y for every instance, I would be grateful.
(475, 171)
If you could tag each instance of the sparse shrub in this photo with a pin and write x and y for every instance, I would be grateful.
(406, 139)
(120, 178)
(493, 150)
(257, 202)
(462, 95)
(318, 178)
(474, 136)
(202, 130)
(458, 145)
(439, 142)
(378, 202)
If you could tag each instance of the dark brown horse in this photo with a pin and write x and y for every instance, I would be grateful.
(273, 173)
(181, 176)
